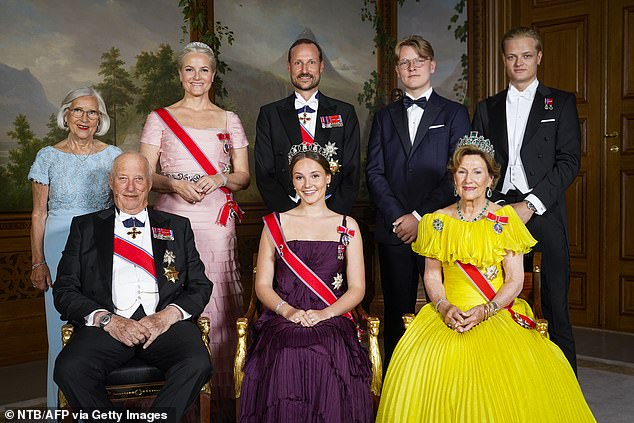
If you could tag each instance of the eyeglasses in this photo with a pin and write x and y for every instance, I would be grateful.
(416, 62)
(78, 113)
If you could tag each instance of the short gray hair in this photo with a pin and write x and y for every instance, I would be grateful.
(104, 119)
(135, 154)
(198, 47)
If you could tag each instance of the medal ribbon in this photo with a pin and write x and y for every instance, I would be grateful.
(230, 207)
(498, 219)
(135, 255)
(307, 138)
(299, 268)
(486, 289)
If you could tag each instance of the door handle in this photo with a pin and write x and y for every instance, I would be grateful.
(611, 134)
(614, 148)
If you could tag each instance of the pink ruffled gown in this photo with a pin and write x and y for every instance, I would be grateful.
(216, 244)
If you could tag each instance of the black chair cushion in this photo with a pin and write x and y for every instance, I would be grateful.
(134, 372)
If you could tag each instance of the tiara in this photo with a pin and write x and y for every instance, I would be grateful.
(329, 151)
(198, 44)
(477, 141)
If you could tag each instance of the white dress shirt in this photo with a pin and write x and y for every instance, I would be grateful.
(313, 103)
(415, 114)
(518, 108)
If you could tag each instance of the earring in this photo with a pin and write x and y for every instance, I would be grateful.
(327, 185)
(455, 193)
(65, 124)
(489, 192)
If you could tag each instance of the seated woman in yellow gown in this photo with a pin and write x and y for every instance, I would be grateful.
(472, 354)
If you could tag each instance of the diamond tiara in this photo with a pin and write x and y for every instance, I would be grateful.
(329, 151)
(478, 141)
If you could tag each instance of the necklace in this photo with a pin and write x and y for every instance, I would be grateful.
(486, 206)
(83, 157)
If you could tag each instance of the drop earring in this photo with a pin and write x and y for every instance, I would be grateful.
(489, 192)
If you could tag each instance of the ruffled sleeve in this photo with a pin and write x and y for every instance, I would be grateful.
(153, 130)
(40, 168)
(234, 126)
(448, 240)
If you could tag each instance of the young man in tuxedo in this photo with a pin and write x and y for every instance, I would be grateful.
(306, 116)
(130, 279)
(411, 141)
(536, 135)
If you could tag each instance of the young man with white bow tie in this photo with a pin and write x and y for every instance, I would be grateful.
(537, 139)
(410, 144)
(130, 279)
(307, 116)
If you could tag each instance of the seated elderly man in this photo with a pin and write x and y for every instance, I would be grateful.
(131, 279)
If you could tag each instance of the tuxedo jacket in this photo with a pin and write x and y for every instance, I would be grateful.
(551, 145)
(403, 176)
(84, 274)
(278, 129)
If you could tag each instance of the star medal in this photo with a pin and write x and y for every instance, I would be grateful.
(169, 257)
(337, 281)
(491, 272)
(171, 273)
(437, 224)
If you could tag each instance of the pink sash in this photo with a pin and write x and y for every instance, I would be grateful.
(135, 255)
(303, 272)
(230, 207)
(486, 289)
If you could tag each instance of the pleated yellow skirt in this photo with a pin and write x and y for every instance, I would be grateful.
(496, 372)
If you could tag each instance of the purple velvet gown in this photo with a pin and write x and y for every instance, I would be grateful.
(298, 374)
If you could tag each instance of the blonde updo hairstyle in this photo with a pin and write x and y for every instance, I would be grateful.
(198, 47)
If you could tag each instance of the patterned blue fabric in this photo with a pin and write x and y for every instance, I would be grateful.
(75, 182)
(77, 185)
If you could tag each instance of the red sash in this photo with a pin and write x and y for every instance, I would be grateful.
(306, 137)
(303, 272)
(135, 255)
(230, 207)
(486, 289)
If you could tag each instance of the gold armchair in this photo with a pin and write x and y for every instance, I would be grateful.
(531, 291)
(138, 382)
(253, 313)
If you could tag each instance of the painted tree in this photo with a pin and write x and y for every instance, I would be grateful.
(159, 73)
(16, 192)
(55, 134)
(117, 86)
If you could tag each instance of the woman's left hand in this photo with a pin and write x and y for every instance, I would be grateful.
(210, 183)
(472, 317)
(316, 316)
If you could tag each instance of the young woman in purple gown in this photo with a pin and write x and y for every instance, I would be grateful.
(306, 363)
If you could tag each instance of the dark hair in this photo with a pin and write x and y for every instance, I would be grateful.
(522, 32)
(470, 150)
(305, 41)
(313, 156)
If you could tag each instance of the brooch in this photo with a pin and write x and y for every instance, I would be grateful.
(332, 121)
(337, 281)
(164, 234)
(490, 272)
(437, 224)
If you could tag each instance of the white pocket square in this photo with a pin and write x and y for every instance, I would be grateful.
(436, 126)
(547, 120)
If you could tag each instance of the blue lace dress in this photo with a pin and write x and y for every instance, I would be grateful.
(77, 185)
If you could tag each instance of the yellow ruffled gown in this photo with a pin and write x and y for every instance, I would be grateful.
(496, 372)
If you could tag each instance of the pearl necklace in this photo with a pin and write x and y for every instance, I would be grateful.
(461, 216)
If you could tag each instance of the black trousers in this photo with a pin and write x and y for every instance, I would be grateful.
(82, 366)
(400, 269)
(550, 231)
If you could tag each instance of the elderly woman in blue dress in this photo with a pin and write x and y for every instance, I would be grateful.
(68, 179)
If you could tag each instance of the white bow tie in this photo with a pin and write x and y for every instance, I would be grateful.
(313, 103)
(514, 94)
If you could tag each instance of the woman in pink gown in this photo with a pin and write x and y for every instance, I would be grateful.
(187, 189)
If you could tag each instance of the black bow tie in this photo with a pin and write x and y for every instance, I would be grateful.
(408, 102)
(133, 222)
